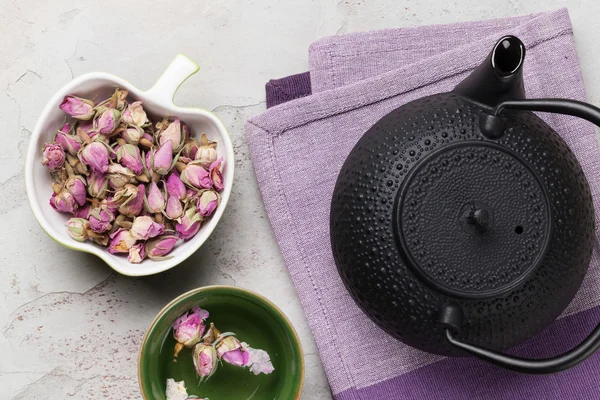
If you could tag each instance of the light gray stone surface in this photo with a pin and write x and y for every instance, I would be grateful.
(70, 327)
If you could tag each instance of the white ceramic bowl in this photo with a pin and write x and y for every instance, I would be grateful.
(157, 101)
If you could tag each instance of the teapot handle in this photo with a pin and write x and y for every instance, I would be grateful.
(451, 319)
(451, 315)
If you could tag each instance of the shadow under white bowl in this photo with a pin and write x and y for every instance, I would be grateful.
(158, 102)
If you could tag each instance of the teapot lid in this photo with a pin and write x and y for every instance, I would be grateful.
(473, 220)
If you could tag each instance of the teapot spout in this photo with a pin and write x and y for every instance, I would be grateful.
(499, 77)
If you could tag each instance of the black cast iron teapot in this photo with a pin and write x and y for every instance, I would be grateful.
(461, 223)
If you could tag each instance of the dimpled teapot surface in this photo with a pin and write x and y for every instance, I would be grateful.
(461, 223)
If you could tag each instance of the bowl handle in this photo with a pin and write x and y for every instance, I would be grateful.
(176, 73)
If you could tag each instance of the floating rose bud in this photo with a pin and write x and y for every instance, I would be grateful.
(190, 149)
(129, 156)
(63, 202)
(53, 157)
(95, 155)
(137, 253)
(135, 114)
(211, 334)
(215, 174)
(100, 220)
(189, 224)
(189, 328)
(196, 177)
(173, 133)
(121, 241)
(106, 120)
(77, 229)
(132, 135)
(207, 203)
(162, 159)
(205, 360)
(231, 351)
(176, 390)
(144, 228)
(97, 185)
(70, 143)
(158, 248)
(155, 201)
(206, 156)
(118, 175)
(83, 212)
(135, 202)
(261, 362)
(76, 186)
(78, 108)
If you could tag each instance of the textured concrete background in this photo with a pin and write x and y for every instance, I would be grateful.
(70, 327)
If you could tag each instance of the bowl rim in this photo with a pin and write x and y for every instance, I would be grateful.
(209, 288)
(118, 81)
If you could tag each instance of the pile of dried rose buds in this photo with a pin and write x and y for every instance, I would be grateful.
(213, 345)
(132, 185)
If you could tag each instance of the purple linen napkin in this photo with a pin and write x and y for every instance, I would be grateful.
(298, 148)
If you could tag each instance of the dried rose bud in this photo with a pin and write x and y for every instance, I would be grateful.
(69, 143)
(215, 174)
(83, 212)
(174, 208)
(76, 186)
(137, 253)
(155, 201)
(175, 186)
(190, 149)
(189, 224)
(135, 114)
(148, 137)
(196, 177)
(206, 155)
(144, 228)
(106, 120)
(129, 155)
(261, 362)
(134, 203)
(205, 360)
(173, 133)
(118, 176)
(53, 157)
(230, 350)
(159, 247)
(121, 241)
(95, 155)
(207, 203)
(111, 204)
(118, 99)
(77, 107)
(100, 220)
(132, 135)
(162, 159)
(77, 229)
(97, 185)
(63, 202)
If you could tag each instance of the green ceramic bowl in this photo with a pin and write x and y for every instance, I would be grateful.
(254, 319)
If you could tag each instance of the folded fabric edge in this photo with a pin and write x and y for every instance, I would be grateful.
(279, 91)
(405, 79)
(261, 148)
(480, 380)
